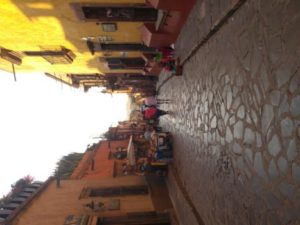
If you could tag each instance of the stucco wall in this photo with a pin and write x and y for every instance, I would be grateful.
(54, 204)
(103, 166)
(30, 24)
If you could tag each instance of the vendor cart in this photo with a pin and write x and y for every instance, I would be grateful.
(157, 158)
(161, 142)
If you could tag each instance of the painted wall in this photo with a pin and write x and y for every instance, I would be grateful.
(30, 24)
(103, 166)
(55, 204)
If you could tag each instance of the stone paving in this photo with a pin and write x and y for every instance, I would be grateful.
(236, 118)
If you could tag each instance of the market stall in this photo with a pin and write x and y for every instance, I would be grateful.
(159, 154)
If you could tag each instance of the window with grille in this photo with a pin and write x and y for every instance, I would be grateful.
(59, 55)
(11, 56)
(114, 12)
(114, 191)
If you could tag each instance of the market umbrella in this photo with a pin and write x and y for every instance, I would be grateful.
(131, 152)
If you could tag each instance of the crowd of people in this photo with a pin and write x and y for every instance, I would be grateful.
(152, 148)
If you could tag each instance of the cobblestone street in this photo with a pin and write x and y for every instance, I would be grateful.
(236, 114)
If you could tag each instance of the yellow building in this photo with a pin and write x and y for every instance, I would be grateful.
(65, 37)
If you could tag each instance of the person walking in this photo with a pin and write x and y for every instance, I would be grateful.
(153, 113)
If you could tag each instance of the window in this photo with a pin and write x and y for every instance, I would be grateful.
(98, 46)
(74, 220)
(119, 191)
(114, 191)
(119, 154)
(114, 12)
(77, 79)
(11, 56)
(125, 63)
(58, 55)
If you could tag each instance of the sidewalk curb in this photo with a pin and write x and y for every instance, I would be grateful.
(180, 186)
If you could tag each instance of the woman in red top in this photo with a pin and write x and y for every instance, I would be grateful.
(153, 113)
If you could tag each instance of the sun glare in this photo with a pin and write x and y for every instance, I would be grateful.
(42, 120)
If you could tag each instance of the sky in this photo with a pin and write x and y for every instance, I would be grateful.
(42, 119)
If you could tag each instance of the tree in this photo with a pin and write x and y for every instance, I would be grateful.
(4, 200)
(16, 188)
(107, 136)
(66, 165)
(21, 184)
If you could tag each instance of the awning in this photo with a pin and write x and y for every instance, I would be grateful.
(131, 152)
